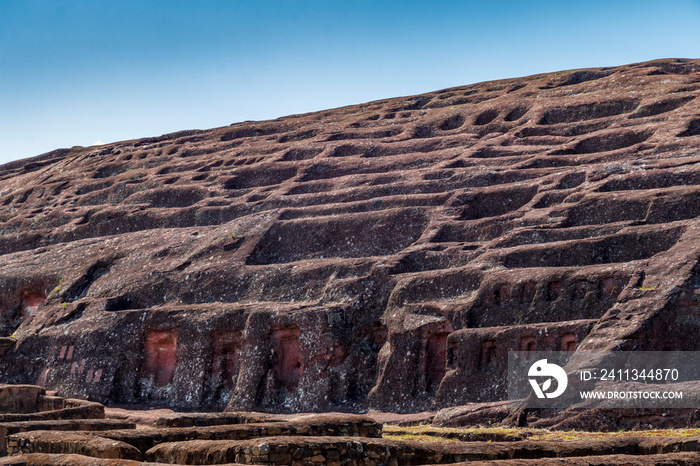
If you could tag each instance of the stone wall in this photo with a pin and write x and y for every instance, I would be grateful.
(70, 443)
(20, 398)
(87, 424)
(30, 403)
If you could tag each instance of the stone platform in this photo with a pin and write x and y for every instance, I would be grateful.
(308, 439)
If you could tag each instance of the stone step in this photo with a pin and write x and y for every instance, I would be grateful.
(45, 441)
(47, 459)
(326, 450)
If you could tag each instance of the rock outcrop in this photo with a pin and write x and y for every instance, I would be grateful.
(384, 255)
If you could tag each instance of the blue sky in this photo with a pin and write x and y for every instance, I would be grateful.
(77, 72)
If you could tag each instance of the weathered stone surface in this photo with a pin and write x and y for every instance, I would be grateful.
(402, 419)
(8, 428)
(472, 414)
(46, 459)
(484, 351)
(48, 441)
(142, 418)
(668, 459)
(324, 439)
(23, 403)
(215, 419)
(6, 343)
(319, 450)
(614, 420)
(20, 399)
(288, 450)
(337, 260)
(145, 439)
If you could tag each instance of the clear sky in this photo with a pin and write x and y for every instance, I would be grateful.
(75, 72)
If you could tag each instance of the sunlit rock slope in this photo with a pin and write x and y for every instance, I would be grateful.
(384, 255)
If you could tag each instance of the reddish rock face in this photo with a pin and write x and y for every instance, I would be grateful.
(226, 358)
(31, 303)
(477, 358)
(286, 360)
(160, 357)
(384, 255)
(435, 360)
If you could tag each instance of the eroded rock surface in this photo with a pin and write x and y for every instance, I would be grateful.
(384, 255)
(314, 439)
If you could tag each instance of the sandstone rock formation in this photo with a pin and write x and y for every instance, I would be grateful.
(384, 255)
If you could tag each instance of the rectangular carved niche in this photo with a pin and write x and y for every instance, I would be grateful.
(528, 343)
(436, 361)
(160, 358)
(529, 291)
(32, 302)
(226, 357)
(488, 351)
(568, 342)
(554, 291)
(610, 287)
(286, 360)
